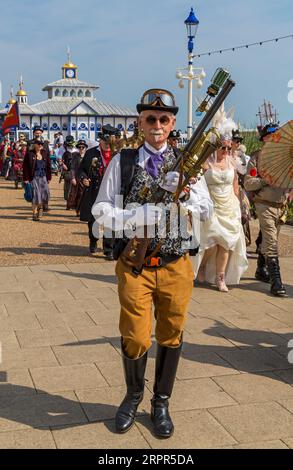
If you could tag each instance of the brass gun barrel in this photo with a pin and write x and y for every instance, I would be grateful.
(196, 136)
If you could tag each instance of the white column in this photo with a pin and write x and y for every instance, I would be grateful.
(189, 102)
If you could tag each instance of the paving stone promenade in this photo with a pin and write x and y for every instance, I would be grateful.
(61, 377)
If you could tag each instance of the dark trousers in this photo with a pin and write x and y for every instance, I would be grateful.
(108, 243)
(67, 182)
(5, 167)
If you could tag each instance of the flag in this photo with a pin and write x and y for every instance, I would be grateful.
(12, 117)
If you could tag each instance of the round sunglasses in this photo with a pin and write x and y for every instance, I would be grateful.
(226, 148)
(164, 120)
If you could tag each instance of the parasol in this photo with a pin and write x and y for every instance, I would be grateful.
(275, 163)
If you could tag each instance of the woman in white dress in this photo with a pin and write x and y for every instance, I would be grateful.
(222, 254)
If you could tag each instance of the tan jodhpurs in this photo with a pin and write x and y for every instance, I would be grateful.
(269, 222)
(169, 289)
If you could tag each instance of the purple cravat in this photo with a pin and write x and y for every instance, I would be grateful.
(154, 162)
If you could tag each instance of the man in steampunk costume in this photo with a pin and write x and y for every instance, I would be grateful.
(270, 205)
(236, 140)
(173, 138)
(166, 280)
(90, 173)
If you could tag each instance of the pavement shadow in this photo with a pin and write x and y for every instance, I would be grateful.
(262, 287)
(17, 208)
(48, 249)
(24, 216)
(84, 234)
(8, 186)
(249, 355)
(253, 338)
(250, 341)
(59, 222)
(45, 220)
(112, 279)
(71, 214)
(254, 286)
(44, 410)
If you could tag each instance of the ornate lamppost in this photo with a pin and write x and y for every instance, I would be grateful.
(190, 73)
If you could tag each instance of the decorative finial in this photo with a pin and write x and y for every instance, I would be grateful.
(68, 55)
(11, 99)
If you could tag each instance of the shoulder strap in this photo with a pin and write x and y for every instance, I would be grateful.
(177, 152)
(128, 161)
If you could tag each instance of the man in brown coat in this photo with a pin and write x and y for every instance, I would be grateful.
(270, 204)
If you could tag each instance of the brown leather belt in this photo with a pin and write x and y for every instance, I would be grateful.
(157, 262)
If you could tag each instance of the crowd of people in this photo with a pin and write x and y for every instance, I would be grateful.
(229, 187)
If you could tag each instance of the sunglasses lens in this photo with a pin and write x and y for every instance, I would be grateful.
(151, 120)
(164, 120)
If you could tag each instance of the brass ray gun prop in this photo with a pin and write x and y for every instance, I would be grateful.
(189, 164)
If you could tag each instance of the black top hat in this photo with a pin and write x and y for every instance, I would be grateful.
(174, 134)
(157, 99)
(107, 131)
(80, 143)
(236, 136)
(69, 140)
(37, 128)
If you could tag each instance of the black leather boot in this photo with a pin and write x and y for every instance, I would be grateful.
(93, 246)
(277, 287)
(166, 367)
(258, 242)
(262, 272)
(134, 370)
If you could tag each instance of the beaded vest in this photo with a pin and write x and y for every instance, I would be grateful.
(174, 242)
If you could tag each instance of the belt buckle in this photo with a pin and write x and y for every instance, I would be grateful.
(155, 262)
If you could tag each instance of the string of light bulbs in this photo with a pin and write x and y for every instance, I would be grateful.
(244, 46)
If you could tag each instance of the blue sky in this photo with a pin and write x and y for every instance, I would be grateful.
(128, 46)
